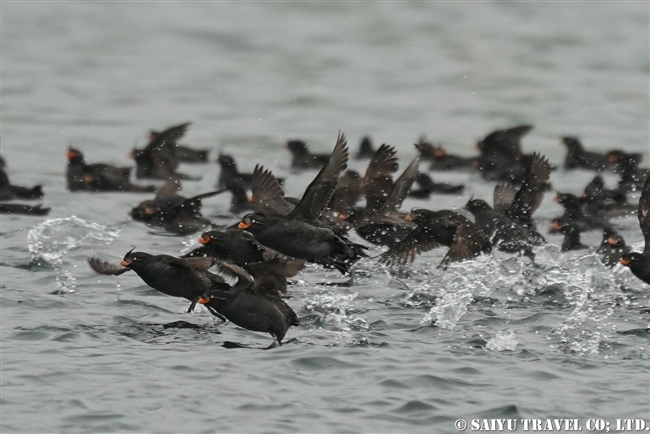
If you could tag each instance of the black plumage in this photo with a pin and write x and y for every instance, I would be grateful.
(173, 212)
(639, 263)
(578, 158)
(571, 239)
(509, 225)
(99, 177)
(159, 159)
(8, 191)
(255, 302)
(427, 187)
(435, 229)
(230, 173)
(187, 278)
(302, 158)
(298, 234)
(366, 149)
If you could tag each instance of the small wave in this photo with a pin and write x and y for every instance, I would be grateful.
(335, 313)
(503, 341)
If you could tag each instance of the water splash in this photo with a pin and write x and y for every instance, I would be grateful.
(53, 239)
(504, 340)
(337, 317)
(188, 244)
(456, 287)
(451, 307)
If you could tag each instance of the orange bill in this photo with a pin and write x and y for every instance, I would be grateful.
(204, 300)
(625, 260)
(204, 239)
(243, 225)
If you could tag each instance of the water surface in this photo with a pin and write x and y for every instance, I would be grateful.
(375, 353)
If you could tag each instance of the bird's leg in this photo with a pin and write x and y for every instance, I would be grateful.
(217, 314)
(276, 343)
(193, 305)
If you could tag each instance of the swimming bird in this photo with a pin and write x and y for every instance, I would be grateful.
(240, 202)
(574, 213)
(11, 192)
(366, 150)
(230, 172)
(578, 158)
(441, 160)
(159, 159)
(500, 153)
(302, 158)
(99, 177)
(21, 209)
(429, 187)
(571, 233)
(184, 153)
(173, 212)
(597, 199)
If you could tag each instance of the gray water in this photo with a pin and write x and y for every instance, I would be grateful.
(375, 353)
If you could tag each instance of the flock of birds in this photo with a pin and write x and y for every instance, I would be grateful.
(279, 234)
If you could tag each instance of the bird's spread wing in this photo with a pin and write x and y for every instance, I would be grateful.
(271, 276)
(194, 263)
(504, 195)
(508, 141)
(232, 270)
(167, 138)
(531, 193)
(418, 241)
(401, 188)
(468, 243)
(377, 181)
(268, 196)
(320, 191)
